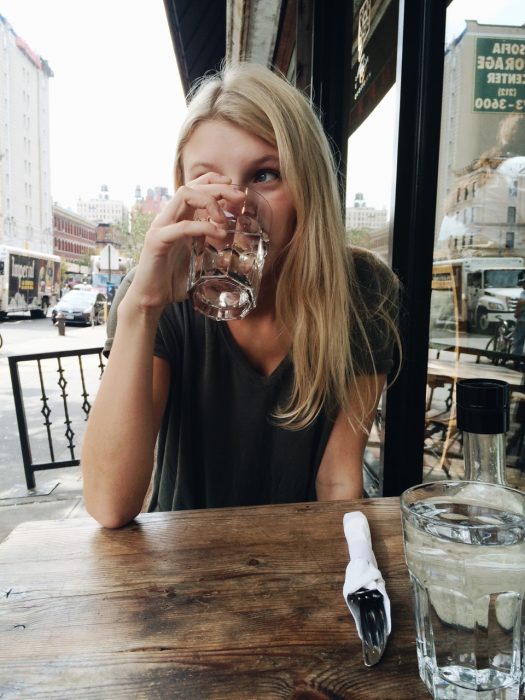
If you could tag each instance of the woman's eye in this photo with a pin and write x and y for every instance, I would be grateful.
(266, 176)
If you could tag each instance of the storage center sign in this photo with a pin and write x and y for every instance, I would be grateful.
(499, 84)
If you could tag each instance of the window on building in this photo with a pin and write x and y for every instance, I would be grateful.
(511, 215)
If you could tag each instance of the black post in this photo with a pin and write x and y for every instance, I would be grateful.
(323, 62)
(421, 43)
(22, 424)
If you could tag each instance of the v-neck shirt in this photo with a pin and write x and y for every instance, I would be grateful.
(219, 444)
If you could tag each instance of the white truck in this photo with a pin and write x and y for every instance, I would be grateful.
(479, 290)
(29, 281)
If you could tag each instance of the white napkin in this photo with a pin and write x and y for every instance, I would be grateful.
(362, 571)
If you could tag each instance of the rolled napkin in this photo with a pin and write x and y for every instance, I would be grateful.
(362, 571)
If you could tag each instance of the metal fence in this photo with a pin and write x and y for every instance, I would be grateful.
(51, 419)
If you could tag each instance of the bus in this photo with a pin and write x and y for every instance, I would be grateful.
(29, 281)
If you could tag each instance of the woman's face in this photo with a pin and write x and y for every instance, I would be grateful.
(220, 147)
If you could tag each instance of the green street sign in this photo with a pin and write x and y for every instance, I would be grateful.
(499, 84)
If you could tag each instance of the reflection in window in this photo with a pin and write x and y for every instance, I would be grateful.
(478, 251)
(501, 278)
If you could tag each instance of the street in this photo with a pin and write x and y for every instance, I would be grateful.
(22, 335)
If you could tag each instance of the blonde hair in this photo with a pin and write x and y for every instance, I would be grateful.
(318, 296)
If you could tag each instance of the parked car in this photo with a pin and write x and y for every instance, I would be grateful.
(81, 306)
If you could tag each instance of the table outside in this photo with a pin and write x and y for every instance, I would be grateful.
(447, 372)
(231, 603)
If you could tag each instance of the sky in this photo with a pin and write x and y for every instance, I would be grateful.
(371, 147)
(116, 102)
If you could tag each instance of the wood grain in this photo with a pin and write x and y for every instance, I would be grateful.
(230, 603)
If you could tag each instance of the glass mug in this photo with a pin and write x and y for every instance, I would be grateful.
(224, 281)
(465, 552)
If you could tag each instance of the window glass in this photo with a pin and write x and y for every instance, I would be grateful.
(480, 227)
(370, 161)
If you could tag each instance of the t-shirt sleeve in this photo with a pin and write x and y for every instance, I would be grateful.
(169, 338)
(160, 349)
(111, 324)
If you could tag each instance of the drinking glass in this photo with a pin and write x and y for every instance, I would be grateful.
(465, 552)
(224, 280)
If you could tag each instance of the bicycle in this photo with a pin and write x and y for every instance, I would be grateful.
(501, 341)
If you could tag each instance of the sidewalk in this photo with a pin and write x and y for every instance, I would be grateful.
(58, 493)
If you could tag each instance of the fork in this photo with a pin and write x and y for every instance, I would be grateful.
(373, 623)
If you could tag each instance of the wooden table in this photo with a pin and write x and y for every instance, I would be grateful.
(232, 603)
(447, 372)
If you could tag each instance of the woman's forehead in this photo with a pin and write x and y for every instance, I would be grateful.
(215, 141)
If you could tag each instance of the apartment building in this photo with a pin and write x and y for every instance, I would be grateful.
(104, 210)
(74, 237)
(25, 186)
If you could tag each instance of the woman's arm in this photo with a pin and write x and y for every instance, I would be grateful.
(340, 474)
(118, 447)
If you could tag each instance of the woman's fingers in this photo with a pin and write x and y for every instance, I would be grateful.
(202, 196)
(168, 235)
(209, 178)
(164, 262)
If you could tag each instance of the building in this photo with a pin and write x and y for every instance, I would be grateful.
(107, 233)
(74, 237)
(485, 214)
(154, 200)
(360, 216)
(481, 173)
(25, 186)
(103, 210)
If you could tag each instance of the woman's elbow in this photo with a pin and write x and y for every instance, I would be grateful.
(110, 516)
(110, 521)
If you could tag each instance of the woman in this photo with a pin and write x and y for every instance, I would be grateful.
(275, 407)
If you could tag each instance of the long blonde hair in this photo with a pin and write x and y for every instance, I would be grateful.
(318, 296)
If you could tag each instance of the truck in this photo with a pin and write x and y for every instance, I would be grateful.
(108, 270)
(473, 293)
(29, 281)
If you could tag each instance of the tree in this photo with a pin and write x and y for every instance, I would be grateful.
(358, 236)
(133, 241)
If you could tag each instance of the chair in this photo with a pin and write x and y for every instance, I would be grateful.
(65, 396)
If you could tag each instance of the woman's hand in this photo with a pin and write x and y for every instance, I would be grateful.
(162, 272)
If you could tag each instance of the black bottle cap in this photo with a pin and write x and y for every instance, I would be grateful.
(482, 406)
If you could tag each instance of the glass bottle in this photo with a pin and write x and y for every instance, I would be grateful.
(482, 413)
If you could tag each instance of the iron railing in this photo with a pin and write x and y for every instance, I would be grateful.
(61, 404)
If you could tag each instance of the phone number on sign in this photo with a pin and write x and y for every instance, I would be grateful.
(499, 104)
